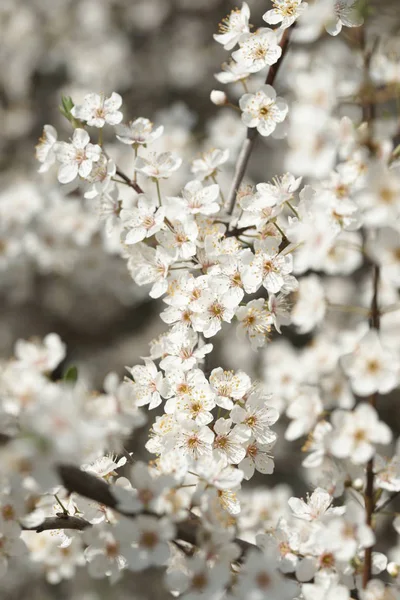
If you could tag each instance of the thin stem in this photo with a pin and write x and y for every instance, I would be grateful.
(61, 504)
(134, 178)
(100, 140)
(169, 224)
(158, 192)
(233, 106)
(119, 181)
(360, 310)
(221, 193)
(131, 183)
(378, 509)
(280, 231)
(369, 488)
(248, 143)
(292, 208)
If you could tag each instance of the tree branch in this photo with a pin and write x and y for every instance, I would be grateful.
(368, 110)
(369, 487)
(130, 182)
(61, 522)
(248, 143)
(91, 487)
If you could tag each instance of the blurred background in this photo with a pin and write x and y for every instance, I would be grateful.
(58, 270)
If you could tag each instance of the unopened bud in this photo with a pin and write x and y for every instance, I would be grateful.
(393, 569)
(219, 98)
(358, 484)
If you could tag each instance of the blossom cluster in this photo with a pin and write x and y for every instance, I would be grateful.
(275, 257)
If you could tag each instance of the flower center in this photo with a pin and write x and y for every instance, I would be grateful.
(199, 581)
(145, 496)
(263, 580)
(112, 550)
(360, 435)
(265, 110)
(251, 421)
(183, 388)
(8, 512)
(217, 310)
(252, 451)
(193, 442)
(373, 366)
(148, 539)
(387, 195)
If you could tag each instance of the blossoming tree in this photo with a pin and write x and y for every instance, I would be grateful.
(256, 257)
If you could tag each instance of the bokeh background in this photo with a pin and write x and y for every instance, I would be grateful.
(58, 271)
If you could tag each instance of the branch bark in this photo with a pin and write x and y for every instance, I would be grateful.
(248, 143)
(61, 522)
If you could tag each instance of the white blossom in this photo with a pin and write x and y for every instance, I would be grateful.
(347, 13)
(258, 50)
(45, 148)
(142, 222)
(139, 132)
(371, 367)
(285, 12)
(197, 199)
(158, 166)
(263, 110)
(355, 433)
(76, 158)
(207, 165)
(233, 27)
(97, 110)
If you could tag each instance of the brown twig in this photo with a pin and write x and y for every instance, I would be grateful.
(248, 143)
(130, 182)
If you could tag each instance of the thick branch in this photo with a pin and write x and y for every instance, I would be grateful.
(62, 522)
(248, 144)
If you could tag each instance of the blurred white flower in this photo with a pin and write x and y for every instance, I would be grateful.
(263, 110)
(97, 110)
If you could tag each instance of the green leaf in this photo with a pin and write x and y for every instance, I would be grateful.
(65, 109)
(71, 375)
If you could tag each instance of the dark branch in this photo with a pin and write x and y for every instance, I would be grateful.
(62, 522)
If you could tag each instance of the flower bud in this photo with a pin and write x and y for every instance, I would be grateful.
(218, 97)
(358, 484)
(393, 569)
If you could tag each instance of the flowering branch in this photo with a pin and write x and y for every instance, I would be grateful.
(216, 429)
(369, 488)
(91, 487)
(248, 143)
